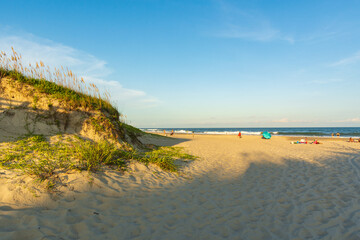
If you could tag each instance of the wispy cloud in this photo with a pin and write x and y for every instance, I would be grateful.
(351, 120)
(347, 61)
(237, 31)
(319, 36)
(85, 65)
(124, 96)
(286, 120)
(250, 25)
(326, 81)
(261, 34)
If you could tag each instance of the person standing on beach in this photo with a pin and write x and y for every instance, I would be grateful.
(239, 134)
(332, 134)
(172, 132)
(338, 134)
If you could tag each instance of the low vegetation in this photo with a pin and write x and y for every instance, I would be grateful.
(59, 83)
(44, 159)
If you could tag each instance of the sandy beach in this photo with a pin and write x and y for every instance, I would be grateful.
(180, 120)
(246, 188)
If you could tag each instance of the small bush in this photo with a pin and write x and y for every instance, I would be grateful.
(164, 162)
(34, 155)
(164, 157)
(43, 169)
(92, 154)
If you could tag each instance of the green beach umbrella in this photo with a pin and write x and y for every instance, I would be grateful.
(266, 135)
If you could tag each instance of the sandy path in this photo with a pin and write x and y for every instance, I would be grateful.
(240, 189)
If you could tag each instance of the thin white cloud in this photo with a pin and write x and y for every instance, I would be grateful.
(283, 120)
(250, 25)
(236, 31)
(94, 70)
(286, 120)
(351, 120)
(261, 33)
(319, 36)
(124, 96)
(327, 81)
(347, 61)
(35, 49)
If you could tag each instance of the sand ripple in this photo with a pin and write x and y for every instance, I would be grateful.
(247, 189)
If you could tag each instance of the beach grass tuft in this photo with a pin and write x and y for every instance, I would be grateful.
(60, 83)
(91, 155)
(45, 159)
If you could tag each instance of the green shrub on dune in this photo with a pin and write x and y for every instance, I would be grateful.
(38, 156)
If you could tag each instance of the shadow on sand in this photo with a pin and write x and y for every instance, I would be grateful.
(160, 140)
(289, 199)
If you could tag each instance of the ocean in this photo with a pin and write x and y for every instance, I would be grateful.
(305, 132)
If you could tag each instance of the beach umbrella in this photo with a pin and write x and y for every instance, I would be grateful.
(266, 135)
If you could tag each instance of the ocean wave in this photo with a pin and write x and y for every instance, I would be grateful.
(230, 132)
(150, 129)
(305, 132)
(301, 133)
(250, 133)
(220, 133)
(183, 131)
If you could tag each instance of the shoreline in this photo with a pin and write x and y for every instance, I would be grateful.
(345, 132)
(293, 137)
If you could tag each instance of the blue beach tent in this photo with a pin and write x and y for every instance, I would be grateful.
(266, 135)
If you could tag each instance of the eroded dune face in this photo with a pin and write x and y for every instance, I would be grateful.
(24, 110)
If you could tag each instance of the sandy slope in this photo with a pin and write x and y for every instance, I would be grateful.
(26, 110)
(240, 189)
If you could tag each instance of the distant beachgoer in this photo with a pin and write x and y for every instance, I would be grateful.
(332, 134)
(351, 139)
(164, 132)
(338, 134)
(239, 134)
(172, 132)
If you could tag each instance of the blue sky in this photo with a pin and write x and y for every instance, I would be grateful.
(203, 63)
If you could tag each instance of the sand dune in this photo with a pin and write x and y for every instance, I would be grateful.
(239, 189)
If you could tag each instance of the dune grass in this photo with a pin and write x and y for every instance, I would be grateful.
(60, 83)
(36, 156)
(92, 155)
(132, 129)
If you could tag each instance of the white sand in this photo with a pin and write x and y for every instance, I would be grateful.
(240, 189)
